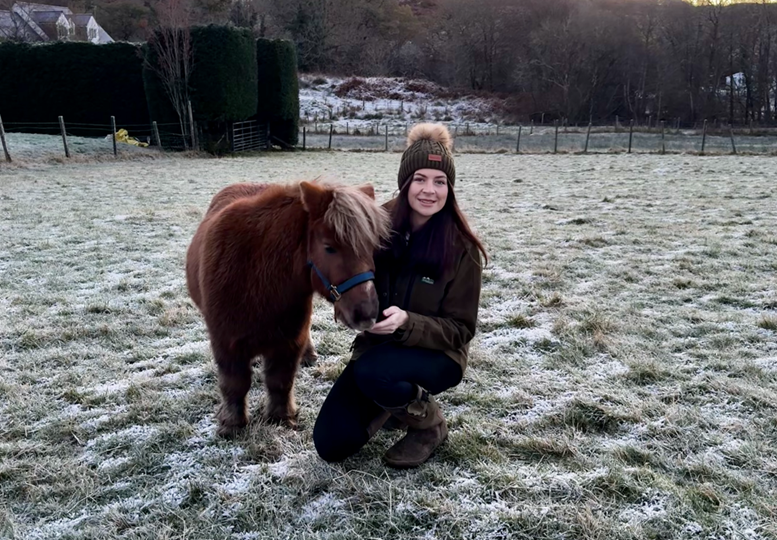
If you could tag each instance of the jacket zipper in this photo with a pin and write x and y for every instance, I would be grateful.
(412, 277)
(409, 290)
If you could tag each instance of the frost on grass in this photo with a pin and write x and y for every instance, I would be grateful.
(621, 384)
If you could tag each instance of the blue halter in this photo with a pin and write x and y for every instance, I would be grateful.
(336, 291)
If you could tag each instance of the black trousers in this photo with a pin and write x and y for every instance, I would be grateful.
(385, 375)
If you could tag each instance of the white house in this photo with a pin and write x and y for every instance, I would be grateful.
(30, 22)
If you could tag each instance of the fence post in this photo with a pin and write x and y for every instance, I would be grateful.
(531, 128)
(304, 134)
(704, 136)
(555, 142)
(331, 128)
(156, 133)
(518, 144)
(2, 140)
(587, 137)
(347, 129)
(663, 137)
(64, 136)
(113, 132)
(631, 133)
(731, 131)
(386, 138)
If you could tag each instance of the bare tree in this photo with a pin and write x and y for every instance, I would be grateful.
(172, 60)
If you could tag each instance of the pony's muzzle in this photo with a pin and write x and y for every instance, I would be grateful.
(358, 308)
(365, 314)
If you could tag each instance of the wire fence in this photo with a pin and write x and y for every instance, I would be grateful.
(100, 138)
(391, 136)
(84, 138)
(708, 138)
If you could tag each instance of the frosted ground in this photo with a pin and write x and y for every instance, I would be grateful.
(622, 383)
(26, 148)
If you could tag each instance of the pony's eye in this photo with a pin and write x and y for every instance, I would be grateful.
(330, 250)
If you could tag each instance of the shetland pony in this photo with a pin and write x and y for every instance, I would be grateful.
(254, 263)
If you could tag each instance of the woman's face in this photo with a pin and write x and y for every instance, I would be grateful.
(427, 195)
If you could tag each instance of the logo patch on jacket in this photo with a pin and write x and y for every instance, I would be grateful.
(427, 280)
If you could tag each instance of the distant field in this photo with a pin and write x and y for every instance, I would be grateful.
(623, 383)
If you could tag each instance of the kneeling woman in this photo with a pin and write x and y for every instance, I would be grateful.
(428, 281)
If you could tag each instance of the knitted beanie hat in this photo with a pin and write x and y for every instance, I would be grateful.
(429, 146)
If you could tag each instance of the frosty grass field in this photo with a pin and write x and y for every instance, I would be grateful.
(622, 383)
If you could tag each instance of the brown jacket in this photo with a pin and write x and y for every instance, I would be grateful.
(442, 313)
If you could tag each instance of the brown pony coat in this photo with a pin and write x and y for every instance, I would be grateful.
(246, 270)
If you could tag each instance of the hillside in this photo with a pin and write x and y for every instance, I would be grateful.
(364, 103)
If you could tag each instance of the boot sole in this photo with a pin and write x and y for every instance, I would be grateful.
(418, 462)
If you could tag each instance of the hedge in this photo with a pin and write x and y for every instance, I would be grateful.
(83, 82)
(278, 89)
(222, 84)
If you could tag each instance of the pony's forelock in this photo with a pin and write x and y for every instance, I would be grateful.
(357, 221)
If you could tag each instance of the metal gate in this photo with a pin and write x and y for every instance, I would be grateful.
(250, 135)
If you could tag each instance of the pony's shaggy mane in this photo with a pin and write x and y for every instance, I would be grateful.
(357, 220)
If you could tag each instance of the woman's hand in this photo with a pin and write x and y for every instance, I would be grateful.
(395, 318)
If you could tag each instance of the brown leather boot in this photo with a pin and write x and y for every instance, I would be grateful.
(425, 432)
(394, 424)
(377, 423)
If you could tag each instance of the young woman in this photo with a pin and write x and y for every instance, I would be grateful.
(428, 281)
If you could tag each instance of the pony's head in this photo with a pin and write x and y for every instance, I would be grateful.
(345, 228)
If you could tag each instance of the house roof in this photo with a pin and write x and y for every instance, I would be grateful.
(50, 29)
(46, 16)
(30, 7)
(7, 24)
(39, 22)
(80, 19)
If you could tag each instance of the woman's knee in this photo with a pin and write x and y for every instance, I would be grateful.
(366, 375)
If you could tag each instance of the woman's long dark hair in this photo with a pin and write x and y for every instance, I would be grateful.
(431, 248)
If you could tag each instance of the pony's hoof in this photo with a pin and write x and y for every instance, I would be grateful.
(286, 419)
(230, 425)
(309, 360)
(229, 432)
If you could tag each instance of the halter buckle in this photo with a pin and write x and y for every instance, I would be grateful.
(334, 293)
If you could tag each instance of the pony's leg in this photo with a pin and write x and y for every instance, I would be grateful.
(234, 370)
(280, 368)
(309, 355)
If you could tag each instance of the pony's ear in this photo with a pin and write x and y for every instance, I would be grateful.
(313, 198)
(368, 190)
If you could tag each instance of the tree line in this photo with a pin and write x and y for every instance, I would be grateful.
(576, 60)
(566, 59)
